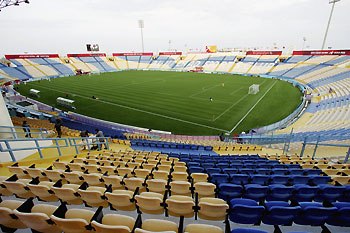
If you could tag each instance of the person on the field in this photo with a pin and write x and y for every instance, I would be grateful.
(26, 129)
(211, 99)
(99, 133)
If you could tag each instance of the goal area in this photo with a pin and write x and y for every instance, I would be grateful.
(253, 89)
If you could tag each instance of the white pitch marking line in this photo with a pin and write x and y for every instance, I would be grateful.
(237, 90)
(251, 109)
(230, 107)
(139, 110)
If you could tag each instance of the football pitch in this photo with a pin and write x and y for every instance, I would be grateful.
(179, 102)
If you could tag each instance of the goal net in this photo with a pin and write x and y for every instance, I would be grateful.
(253, 89)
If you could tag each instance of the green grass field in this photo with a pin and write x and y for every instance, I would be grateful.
(178, 102)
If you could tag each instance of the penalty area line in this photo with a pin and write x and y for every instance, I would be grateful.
(139, 110)
(251, 109)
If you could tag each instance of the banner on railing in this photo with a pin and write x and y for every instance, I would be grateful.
(131, 54)
(264, 52)
(28, 56)
(87, 55)
(322, 52)
(170, 53)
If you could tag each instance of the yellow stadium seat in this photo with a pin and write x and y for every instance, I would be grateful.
(38, 217)
(150, 202)
(93, 179)
(180, 188)
(164, 175)
(202, 228)
(134, 183)
(205, 189)
(54, 175)
(157, 225)
(19, 187)
(74, 221)
(212, 208)
(114, 223)
(156, 185)
(142, 173)
(7, 208)
(67, 192)
(199, 177)
(178, 176)
(178, 205)
(74, 177)
(121, 199)
(93, 196)
(42, 190)
(76, 166)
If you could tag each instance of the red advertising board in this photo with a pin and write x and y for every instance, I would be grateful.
(170, 53)
(27, 56)
(264, 52)
(322, 52)
(87, 55)
(132, 54)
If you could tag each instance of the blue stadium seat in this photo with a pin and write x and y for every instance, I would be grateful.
(222, 165)
(279, 179)
(314, 214)
(196, 170)
(246, 171)
(245, 211)
(296, 171)
(260, 179)
(218, 178)
(329, 192)
(313, 171)
(193, 164)
(304, 192)
(263, 171)
(230, 171)
(279, 192)
(279, 171)
(208, 165)
(265, 166)
(213, 170)
(346, 194)
(229, 191)
(342, 216)
(247, 230)
(239, 179)
(299, 179)
(255, 191)
(279, 213)
(317, 180)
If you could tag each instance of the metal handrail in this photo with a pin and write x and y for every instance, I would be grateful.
(36, 147)
(14, 133)
(85, 141)
(317, 144)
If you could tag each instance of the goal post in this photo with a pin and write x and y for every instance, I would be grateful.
(253, 89)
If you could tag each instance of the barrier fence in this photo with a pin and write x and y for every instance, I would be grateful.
(8, 148)
(317, 144)
(22, 130)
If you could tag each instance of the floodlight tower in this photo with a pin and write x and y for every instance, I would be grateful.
(329, 21)
(6, 3)
(141, 26)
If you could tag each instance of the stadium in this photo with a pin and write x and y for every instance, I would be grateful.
(240, 140)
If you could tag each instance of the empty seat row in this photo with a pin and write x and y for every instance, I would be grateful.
(50, 218)
(218, 178)
(246, 211)
(279, 192)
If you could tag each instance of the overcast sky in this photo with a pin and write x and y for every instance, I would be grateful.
(65, 26)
